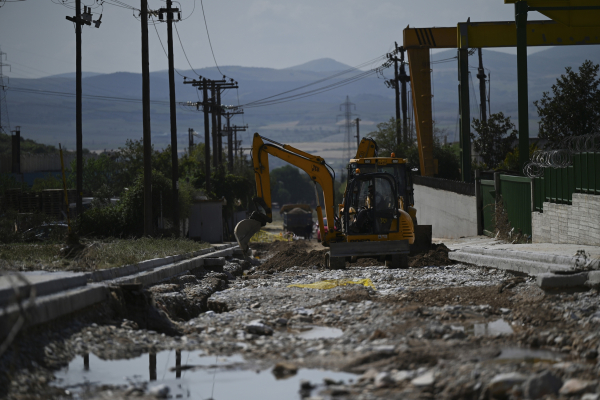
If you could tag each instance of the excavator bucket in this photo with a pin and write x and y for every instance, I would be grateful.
(244, 231)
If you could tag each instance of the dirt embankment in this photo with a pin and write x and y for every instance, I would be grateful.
(285, 255)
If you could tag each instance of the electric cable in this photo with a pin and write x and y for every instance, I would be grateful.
(209, 41)
(186, 57)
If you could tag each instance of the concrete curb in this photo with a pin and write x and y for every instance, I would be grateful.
(509, 264)
(551, 271)
(60, 303)
(43, 288)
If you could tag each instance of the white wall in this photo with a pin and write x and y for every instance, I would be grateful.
(452, 215)
(578, 223)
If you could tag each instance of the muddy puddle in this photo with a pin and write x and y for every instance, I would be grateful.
(190, 375)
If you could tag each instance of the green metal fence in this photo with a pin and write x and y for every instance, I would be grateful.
(489, 203)
(516, 196)
(558, 184)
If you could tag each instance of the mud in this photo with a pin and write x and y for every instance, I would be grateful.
(420, 334)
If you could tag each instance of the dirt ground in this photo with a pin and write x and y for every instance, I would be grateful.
(437, 330)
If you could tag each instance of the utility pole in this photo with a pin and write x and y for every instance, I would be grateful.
(206, 133)
(147, 138)
(229, 132)
(213, 100)
(347, 108)
(219, 136)
(394, 84)
(190, 140)
(16, 150)
(3, 96)
(357, 120)
(174, 156)
(482, 95)
(404, 79)
(79, 20)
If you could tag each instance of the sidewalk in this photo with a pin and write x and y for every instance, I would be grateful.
(554, 265)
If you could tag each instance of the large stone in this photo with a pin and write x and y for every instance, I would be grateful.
(502, 383)
(574, 387)
(258, 327)
(383, 379)
(542, 384)
(426, 379)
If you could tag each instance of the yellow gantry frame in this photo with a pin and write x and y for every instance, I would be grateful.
(314, 166)
(419, 41)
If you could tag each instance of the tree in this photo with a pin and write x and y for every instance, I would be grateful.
(574, 107)
(447, 155)
(290, 185)
(494, 139)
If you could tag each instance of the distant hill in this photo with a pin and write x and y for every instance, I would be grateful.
(321, 65)
(72, 75)
(107, 124)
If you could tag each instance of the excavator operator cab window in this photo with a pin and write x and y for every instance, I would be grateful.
(371, 204)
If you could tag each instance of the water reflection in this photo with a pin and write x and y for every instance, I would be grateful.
(189, 375)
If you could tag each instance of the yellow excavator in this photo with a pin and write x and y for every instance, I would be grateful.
(376, 218)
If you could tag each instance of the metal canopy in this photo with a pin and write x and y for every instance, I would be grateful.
(467, 35)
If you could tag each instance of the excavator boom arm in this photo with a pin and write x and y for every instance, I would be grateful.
(314, 166)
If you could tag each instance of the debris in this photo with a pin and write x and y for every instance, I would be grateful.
(333, 283)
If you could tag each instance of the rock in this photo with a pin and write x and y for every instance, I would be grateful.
(369, 375)
(281, 321)
(255, 305)
(590, 354)
(383, 379)
(331, 382)
(426, 379)
(455, 334)
(159, 391)
(575, 386)
(234, 269)
(590, 396)
(542, 384)
(284, 370)
(404, 375)
(258, 327)
(502, 383)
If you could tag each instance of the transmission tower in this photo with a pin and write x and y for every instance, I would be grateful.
(4, 121)
(346, 107)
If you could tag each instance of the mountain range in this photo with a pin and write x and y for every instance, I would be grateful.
(107, 123)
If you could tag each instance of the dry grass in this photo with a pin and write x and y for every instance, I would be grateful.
(504, 230)
(94, 255)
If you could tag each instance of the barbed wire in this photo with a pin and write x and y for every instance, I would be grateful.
(563, 156)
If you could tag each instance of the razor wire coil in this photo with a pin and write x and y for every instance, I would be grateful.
(563, 156)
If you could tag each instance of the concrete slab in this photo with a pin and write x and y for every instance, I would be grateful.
(555, 281)
(44, 282)
(555, 265)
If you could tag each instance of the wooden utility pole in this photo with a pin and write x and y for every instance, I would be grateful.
(206, 133)
(213, 103)
(482, 95)
(79, 20)
(170, 11)
(229, 132)
(357, 120)
(147, 138)
(404, 79)
(219, 136)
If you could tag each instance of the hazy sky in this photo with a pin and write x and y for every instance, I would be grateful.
(39, 41)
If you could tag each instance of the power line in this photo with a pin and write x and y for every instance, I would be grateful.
(163, 47)
(186, 57)
(88, 96)
(208, 34)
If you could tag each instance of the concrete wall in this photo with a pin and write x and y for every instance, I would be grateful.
(578, 223)
(452, 215)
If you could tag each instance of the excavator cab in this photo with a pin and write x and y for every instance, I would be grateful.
(370, 206)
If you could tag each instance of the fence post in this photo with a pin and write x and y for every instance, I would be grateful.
(479, 202)
(497, 191)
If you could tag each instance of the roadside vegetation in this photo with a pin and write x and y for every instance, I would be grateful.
(93, 255)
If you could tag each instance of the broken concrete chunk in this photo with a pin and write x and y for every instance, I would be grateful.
(258, 327)
(502, 383)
